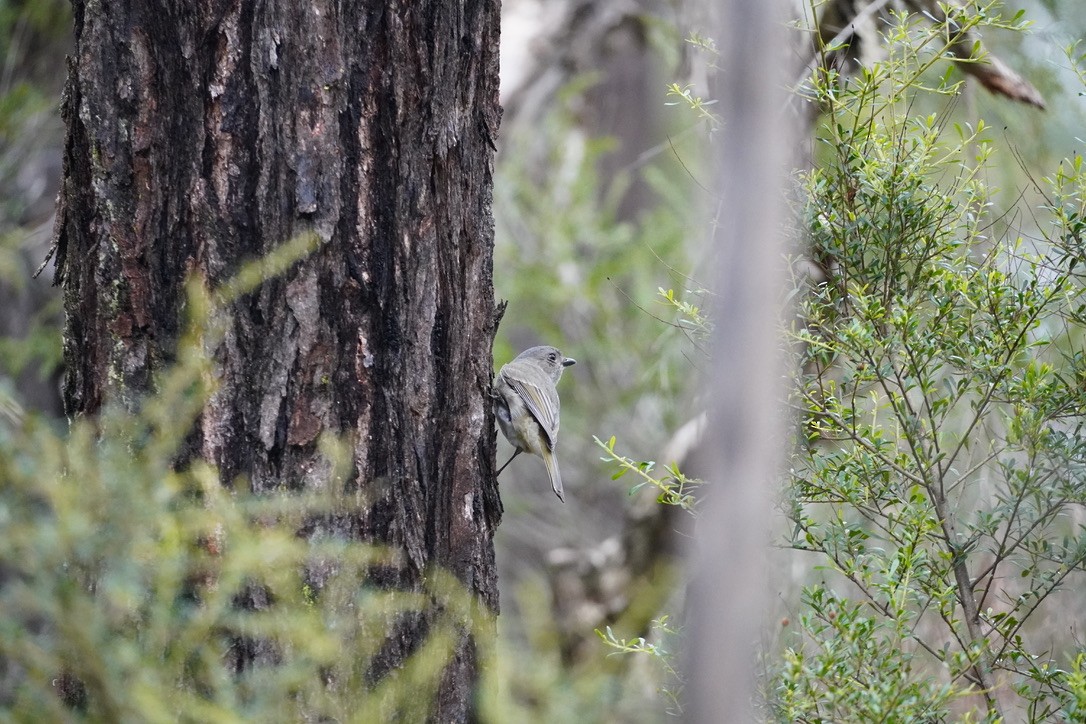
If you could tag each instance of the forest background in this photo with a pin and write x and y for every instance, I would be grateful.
(973, 208)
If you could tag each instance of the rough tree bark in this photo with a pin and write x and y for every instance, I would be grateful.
(204, 133)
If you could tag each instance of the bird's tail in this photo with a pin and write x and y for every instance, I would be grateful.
(551, 461)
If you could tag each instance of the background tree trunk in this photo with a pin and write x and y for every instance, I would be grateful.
(745, 432)
(204, 133)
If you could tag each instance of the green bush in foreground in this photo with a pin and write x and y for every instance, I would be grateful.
(137, 588)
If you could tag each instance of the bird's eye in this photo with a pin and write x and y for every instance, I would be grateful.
(552, 357)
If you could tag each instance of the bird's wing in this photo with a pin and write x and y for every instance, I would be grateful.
(538, 404)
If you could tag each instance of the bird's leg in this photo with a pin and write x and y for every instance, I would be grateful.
(503, 467)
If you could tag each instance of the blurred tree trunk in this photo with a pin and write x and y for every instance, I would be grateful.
(204, 133)
(745, 433)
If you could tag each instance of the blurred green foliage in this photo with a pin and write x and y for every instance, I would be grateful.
(578, 274)
(33, 39)
(136, 589)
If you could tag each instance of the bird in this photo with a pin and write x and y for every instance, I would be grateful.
(525, 401)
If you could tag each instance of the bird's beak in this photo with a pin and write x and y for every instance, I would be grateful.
(568, 361)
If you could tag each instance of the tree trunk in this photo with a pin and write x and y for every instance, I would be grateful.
(205, 133)
(745, 432)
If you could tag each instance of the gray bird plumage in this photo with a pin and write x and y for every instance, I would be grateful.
(527, 406)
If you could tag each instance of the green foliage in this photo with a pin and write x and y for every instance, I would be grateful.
(672, 688)
(675, 487)
(129, 577)
(575, 266)
(137, 589)
(938, 466)
(533, 677)
(40, 351)
(691, 319)
(33, 37)
(1075, 706)
(685, 96)
(18, 18)
(857, 667)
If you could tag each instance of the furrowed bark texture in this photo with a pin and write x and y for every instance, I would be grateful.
(204, 133)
